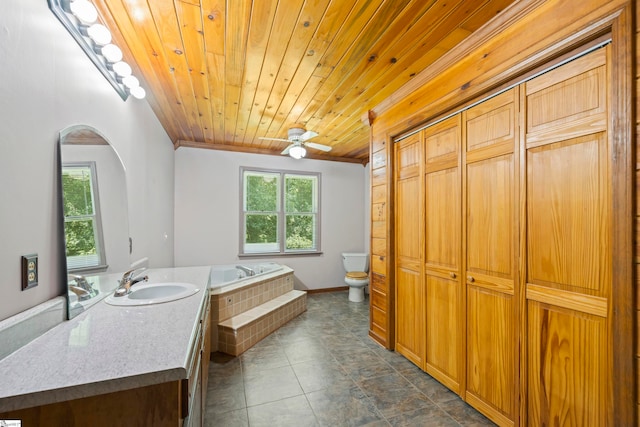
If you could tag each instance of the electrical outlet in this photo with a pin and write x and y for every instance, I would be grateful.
(29, 271)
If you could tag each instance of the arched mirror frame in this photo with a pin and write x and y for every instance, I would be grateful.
(82, 147)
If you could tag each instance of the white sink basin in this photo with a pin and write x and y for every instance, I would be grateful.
(154, 293)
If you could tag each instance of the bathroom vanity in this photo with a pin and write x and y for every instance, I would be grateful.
(117, 365)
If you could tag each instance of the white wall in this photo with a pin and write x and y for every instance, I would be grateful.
(207, 212)
(46, 84)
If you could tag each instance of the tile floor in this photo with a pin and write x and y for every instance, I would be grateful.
(322, 369)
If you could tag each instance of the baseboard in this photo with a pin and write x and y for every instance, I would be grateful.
(323, 290)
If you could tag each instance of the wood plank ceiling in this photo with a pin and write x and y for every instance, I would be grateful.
(221, 73)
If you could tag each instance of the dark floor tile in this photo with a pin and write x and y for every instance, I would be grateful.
(305, 349)
(269, 340)
(394, 359)
(465, 414)
(270, 385)
(348, 378)
(429, 386)
(316, 375)
(393, 394)
(431, 416)
(237, 418)
(294, 333)
(224, 398)
(346, 343)
(258, 359)
(224, 365)
(291, 412)
(344, 406)
(367, 368)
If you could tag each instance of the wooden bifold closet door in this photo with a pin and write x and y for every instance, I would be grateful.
(568, 244)
(490, 248)
(409, 249)
(443, 285)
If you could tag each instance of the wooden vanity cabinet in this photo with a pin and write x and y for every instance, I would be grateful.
(194, 389)
(175, 403)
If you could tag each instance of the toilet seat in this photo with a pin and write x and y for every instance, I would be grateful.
(356, 280)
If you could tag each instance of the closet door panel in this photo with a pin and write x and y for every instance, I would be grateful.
(567, 218)
(568, 245)
(567, 367)
(442, 209)
(490, 209)
(444, 330)
(443, 226)
(409, 315)
(408, 218)
(491, 361)
(490, 233)
(409, 250)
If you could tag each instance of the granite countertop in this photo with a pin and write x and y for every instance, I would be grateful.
(107, 348)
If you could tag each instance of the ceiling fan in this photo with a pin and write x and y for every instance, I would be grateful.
(298, 138)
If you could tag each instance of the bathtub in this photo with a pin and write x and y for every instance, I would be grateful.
(230, 277)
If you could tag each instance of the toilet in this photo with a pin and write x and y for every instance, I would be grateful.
(357, 277)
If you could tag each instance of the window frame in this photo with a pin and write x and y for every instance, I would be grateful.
(281, 213)
(98, 234)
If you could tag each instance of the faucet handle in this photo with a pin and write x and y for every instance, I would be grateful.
(130, 273)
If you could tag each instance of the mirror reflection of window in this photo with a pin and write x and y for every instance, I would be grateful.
(83, 229)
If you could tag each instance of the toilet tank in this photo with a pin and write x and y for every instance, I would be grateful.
(355, 261)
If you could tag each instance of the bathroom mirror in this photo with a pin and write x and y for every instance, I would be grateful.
(95, 215)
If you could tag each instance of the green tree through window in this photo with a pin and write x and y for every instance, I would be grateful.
(278, 203)
(81, 220)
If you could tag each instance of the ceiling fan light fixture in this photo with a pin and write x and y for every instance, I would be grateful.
(297, 152)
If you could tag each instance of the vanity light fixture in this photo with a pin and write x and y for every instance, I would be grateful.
(84, 10)
(297, 152)
(111, 53)
(122, 69)
(130, 81)
(99, 34)
(80, 18)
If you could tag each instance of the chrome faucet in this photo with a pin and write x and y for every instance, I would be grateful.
(82, 288)
(127, 281)
(81, 282)
(247, 270)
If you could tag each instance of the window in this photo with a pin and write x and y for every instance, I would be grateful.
(277, 204)
(82, 229)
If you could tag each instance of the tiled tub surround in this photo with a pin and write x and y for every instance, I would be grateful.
(107, 349)
(244, 313)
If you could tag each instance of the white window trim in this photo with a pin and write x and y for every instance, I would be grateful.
(281, 215)
(101, 262)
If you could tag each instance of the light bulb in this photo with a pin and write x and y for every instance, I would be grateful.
(131, 82)
(122, 69)
(138, 92)
(297, 152)
(84, 11)
(99, 34)
(112, 53)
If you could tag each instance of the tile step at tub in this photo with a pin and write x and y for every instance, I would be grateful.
(239, 333)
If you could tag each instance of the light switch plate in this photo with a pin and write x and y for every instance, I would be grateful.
(29, 271)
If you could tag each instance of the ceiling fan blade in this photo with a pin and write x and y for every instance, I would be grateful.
(286, 150)
(317, 146)
(308, 135)
(273, 139)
